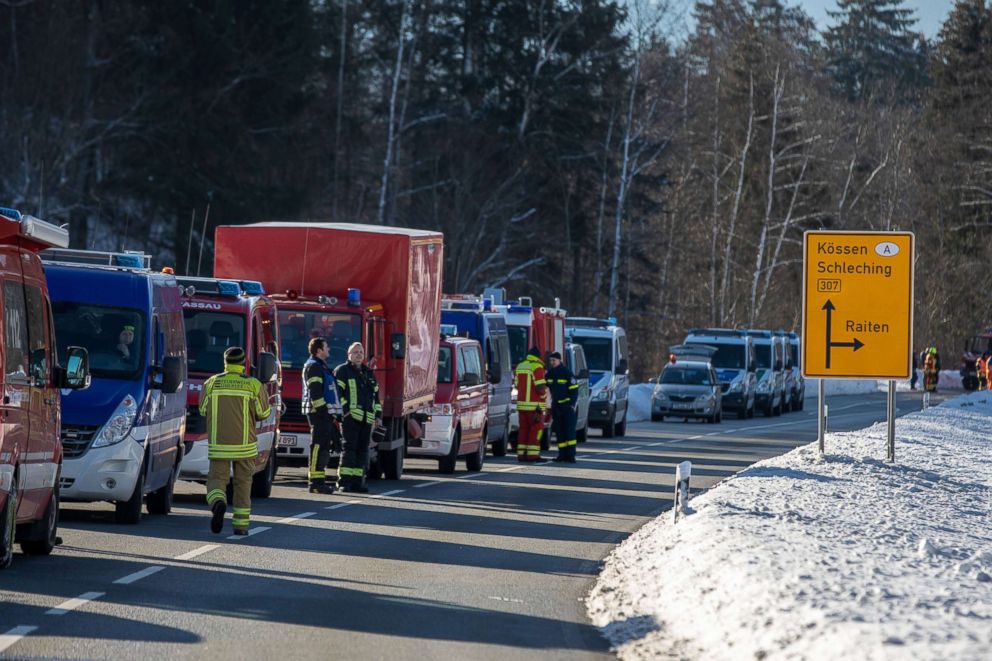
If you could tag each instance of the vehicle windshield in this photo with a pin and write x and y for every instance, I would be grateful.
(113, 336)
(689, 376)
(444, 365)
(599, 352)
(763, 355)
(297, 328)
(728, 356)
(208, 336)
(519, 336)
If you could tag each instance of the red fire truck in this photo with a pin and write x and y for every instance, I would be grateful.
(346, 282)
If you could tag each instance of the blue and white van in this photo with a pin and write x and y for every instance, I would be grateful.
(474, 317)
(735, 365)
(122, 437)
(771, 395)
(607, 357)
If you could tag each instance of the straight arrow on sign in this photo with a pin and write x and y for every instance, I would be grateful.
(855, 344)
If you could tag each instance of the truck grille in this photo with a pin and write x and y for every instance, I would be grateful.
(76, 439)
(682, 398)
(724, 387)
(294, 413)
(195, 423)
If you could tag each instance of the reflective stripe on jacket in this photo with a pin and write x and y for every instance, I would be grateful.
(530, 381)
(359, 392)
(319, 391)
(232, 402)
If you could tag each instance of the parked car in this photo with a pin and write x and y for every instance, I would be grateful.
(32, 378)
(456, 426)
(605, 346)
(687, 388)
(121, 437)
(575, 360)
(735, 365)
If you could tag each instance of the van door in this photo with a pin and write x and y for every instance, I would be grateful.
(161, 448)
(471, 400)
(266, 429)
(42, 465)
(16, 411)
(622, 380)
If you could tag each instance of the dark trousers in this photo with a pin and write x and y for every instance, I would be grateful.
(564, 420)
(324, 437)
(354, 465)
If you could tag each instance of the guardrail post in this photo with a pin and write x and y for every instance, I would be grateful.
(682, 473)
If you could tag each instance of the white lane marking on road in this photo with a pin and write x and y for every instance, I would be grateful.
(74, 603)
(508, 469)
(633, 447)
(388, 493)
(515, 601)
(469, 475)
(296, 517)
(197, 552)
(14, 635)
(251, 531)
(138, 575)
(340, 505)
(428, 484)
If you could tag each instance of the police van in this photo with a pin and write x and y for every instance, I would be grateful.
(735, 364)
(798, 395)
(607, 357)
(770, 351)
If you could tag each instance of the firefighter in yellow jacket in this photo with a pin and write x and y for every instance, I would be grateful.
(232, 402)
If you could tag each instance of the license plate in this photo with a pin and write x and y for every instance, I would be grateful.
(681, 406)
(287, 440)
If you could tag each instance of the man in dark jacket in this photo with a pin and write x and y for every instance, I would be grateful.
(564, 397)
(320, 405)
(362, 412)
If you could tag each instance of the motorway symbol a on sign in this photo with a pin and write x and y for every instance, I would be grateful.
(855, 344)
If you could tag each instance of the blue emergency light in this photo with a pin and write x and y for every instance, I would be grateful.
(354, 297)
(253, 287)
(129, 261)
(612, 320)
(449, 329)
(228, 288)
(487, 304)
(520, 308)
(10, 213)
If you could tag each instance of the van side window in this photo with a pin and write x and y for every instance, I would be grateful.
(471, 362)
(460, 367)
(38, 355)
(15, 329)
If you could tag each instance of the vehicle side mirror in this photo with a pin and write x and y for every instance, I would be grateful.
(583, 374)
(652, 380)
(622, 366)
(76, 374)
(266, 369)
(470, 379)
(397, 346)
(172, 374)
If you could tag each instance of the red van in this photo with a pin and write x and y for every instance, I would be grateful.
(31, 378)
(457, 423)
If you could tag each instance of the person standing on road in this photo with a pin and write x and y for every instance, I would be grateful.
(564, 397)
(362, 412)
(931, 370)
(320, 405)
(232, 402)
(531, 386)
(914, 377)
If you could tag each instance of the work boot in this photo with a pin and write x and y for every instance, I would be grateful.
(324, 488)
(219, 508)
(559, 459)
(241, 531)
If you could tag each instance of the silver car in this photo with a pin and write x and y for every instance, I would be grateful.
(687, 389)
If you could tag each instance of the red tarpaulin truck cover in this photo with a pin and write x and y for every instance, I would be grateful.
(399, 268)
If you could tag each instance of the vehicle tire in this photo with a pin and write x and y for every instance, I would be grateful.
(501, 446)
(391, 462)
(8, 526)
(474, 461)
(261, 482)
(802, 403)
(160, 501)
(446, 464)
(129, 511)
(609, 429)
(581, 435)
(656, 418)
(41, 537)
(621, 428)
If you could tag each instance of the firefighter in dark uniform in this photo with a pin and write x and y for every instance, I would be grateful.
(320, 405)
(564, 397)
(361, 413)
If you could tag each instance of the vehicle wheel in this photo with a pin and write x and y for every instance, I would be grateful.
(609, 429)
(160, 501)
(582, 434)
(474, 461)
(41, 537)
(501, 446)
(446, 464)
(622, 427)
(8, 526)
(261, 482)
(391, 462)
(129, 511)
(655, 417)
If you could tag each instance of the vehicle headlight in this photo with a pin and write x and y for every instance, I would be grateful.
(704, 399)
(603, 394)
(513, 394)
(661, 396)
(736, 386)
(119, 425)
(765, 386)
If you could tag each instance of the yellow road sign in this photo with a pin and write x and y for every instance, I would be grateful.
(857, 304)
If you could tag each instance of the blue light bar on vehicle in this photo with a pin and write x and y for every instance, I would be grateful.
(129, 261)
(253, 287)
(354, 296)
(449, 329)
(228, 288)
(13, 214)
(520, 308)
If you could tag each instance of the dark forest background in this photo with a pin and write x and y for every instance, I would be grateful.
(566, 148)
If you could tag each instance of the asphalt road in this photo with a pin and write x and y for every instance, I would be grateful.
(476, 565)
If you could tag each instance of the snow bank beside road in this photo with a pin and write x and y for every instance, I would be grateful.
(803, 557)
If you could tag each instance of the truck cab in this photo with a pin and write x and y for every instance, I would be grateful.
(474, 316)
(456, 426)
(219, 314)
(605, 346)
(121, 437)
(769, 351)
(735, 364)
(32, 378)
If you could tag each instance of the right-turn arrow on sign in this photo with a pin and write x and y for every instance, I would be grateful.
(857, 304)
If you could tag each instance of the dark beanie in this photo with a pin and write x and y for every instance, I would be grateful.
(555, 355)
(534, 351)
(234, 356)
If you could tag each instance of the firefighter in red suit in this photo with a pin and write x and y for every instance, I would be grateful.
(530, 381)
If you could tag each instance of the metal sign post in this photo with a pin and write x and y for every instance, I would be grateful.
(891, 454)
(821, 414)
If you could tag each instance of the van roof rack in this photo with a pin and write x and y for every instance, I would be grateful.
(589, 322)
(210, 286)
(758, 333)
(129, 259)
(718, 332)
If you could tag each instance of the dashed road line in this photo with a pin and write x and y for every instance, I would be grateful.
(388, 493)
(340, 505)
(14, 635)
(508, 469)
(74, 603)
(198, 552)
(138, 575)
(428, 484)
(296, 517)
(469, 475)
(251, 532)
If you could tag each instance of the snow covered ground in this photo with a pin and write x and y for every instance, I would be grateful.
(803, 557)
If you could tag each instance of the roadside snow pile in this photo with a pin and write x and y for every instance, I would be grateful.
(810, 558)
(639, 402)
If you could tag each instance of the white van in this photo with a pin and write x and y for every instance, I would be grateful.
(605, 347)
(770, 351)
(734, 363)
